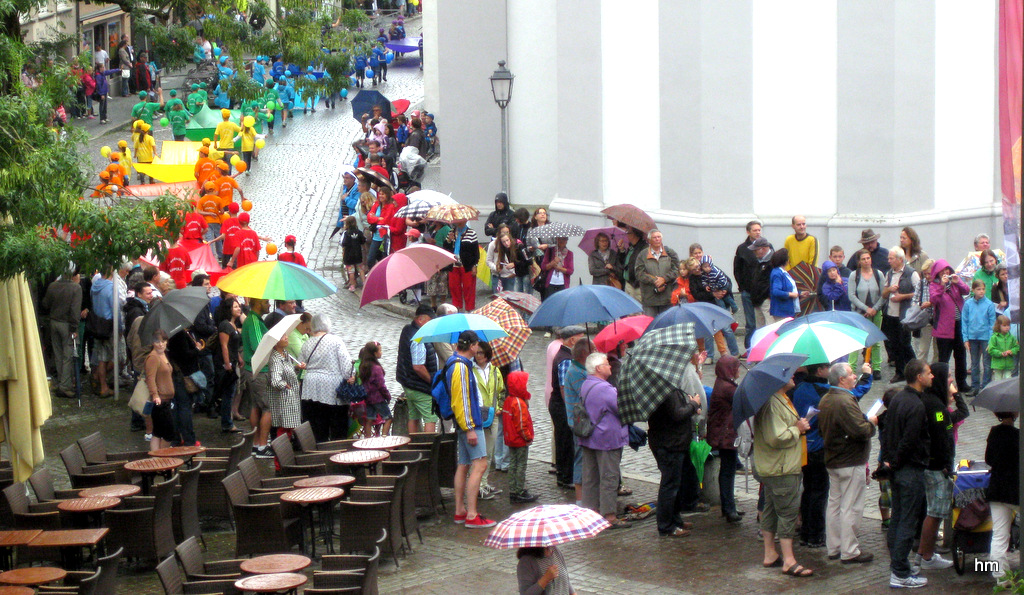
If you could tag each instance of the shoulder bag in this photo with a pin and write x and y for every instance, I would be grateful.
(581, 424)
(916, 317)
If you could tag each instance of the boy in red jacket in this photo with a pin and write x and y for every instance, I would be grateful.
(518, 427)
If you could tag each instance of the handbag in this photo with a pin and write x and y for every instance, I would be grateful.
(101, 328)
(126, 73)
(916, 317)
(140, 397)
(488, 418)
(349, 393)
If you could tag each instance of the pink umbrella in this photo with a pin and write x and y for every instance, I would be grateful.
(622, 330)
(402, 270)
(587, 244)
(762, 339)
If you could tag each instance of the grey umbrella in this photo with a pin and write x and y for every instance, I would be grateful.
(174, 313)
(1000, 396)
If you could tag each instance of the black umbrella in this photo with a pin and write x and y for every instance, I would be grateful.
(1001, 395)
(761, 382)
(374, 177)
(364, 101)
(175, 312)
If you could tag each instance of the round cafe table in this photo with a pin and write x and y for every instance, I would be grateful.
(325, 481)
(182, 452)
(382, 443)
(282, 582)
(275, 564)
(360, 461)
(16, 591)
(117, 490)
(150, 468)
(90, 508)
(323, 500)
(32, 576)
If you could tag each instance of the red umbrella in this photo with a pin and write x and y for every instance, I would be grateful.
(632, 216)
(623, 330)
(399, 106)
(402, 270)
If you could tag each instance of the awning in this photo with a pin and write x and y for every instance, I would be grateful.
(102, 15)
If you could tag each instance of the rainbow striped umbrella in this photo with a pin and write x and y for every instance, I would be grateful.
(546, 525)
(276, 280)
(823, 342)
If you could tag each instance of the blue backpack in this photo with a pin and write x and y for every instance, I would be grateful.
(439, 391)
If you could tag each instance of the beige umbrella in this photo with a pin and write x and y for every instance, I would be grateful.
(24, 392)
(261, 356)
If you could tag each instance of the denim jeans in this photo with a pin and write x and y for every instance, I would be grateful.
(749, 321)
(980, 358)
(907, 504)
(727, 460)
(183, 413)
(374, 254)
(814, 500)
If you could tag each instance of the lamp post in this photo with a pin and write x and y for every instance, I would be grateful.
(501, 88)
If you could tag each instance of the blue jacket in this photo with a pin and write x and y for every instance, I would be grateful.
(102, 86)
(102, 298)
(833, 296)
(781, 284)
(360, 63)
(977, 319)
(349, 202)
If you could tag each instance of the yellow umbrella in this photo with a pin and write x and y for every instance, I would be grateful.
(483, 272)
(24, 392)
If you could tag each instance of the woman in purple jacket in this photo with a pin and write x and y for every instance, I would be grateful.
(103, 88)
(946, 295)
(602, 450)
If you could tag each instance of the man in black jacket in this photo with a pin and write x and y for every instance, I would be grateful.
(502, 215)
(669, 432)
(417, 364)
(905, 451)
(637, 246)
(744, 266)
(759, 280)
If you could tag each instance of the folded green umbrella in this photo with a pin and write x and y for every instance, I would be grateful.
(699, 452)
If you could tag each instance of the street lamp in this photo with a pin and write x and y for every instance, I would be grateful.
(501, 88)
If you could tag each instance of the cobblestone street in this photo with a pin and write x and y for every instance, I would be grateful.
(295, 190)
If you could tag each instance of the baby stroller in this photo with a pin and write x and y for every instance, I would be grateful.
(971, 518)
(409, 170)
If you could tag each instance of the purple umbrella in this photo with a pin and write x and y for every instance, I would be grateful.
(402, 270)
(587, 244)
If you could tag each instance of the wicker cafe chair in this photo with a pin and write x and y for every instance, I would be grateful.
(414, 462)
(260, 528)
(446, 461)
(94, 475)
(95, 451)
(363, 525)
(333, 591)
(428, 488)
(42, 485)
(79, 585)
(18, 512)
(308, 444)
(186, 505)
(174, 582)
(143, 525)
(393, 520)
(367, 564)
(257, 484)
(191, 558)
(292, 464)
(338, 579)
(106, 569)
(231, 454)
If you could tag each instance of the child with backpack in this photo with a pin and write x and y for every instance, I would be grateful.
(518, 429)
(352, 240)
(371, 374)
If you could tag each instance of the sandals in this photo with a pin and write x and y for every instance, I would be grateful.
(678, 532)
(624, 491)
(776, 564)
(798, 571)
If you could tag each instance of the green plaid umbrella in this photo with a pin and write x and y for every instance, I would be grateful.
(653, 368)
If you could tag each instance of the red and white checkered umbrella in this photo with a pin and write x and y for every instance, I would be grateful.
(546, 525)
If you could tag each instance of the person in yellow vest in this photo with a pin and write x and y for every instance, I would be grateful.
(145, 149)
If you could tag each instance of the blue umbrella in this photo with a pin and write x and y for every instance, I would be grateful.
(707, 318)
(761, 382)
(446, 329)
(583, 304)
(364, 101)
(851, 318)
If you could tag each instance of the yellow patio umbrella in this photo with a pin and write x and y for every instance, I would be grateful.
(24, 392)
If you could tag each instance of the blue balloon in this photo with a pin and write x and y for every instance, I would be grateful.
(390, 57)
(344, 93)
(353, 80)
(216, 51)
(369, 73)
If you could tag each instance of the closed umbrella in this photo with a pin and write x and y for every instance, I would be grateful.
(654, 367)
(447, 329)
(625, 330)
(276, 280)
(583, 304)
(558, 229)
(24, 391)
(261, 356)
(839, 316)
(1001, 395)
(506, 349)
(823, 342)
(632, 216)
(761, 382)
(174, 313)
(546, 525)
(524, 302)
(403, 269)
(699, 451)
(806, 276)
(707, 318)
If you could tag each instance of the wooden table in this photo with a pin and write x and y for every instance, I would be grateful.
(275, 564)
(382, 443)
(33, 576)
(321, 499)
(16, 591)
(325, 481)
(71, 542)
(149, 468)
(12, 539)
(360, 461)
(117, 490)
(181, 452)
(282, 582)
(89, 508)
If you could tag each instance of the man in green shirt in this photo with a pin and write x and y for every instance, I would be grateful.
(179, 117)
(194, 102)
(144, 110)
(173, 101)
(204, 94)
(256, 384)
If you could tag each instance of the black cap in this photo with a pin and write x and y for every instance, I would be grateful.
(424, 310)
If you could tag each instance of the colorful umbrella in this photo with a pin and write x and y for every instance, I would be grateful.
(583, 304)
(451, 213)
(276, 280)
(524, 302)
(806, 276)
(546, 525)
(632, 216)
(446, 329)
(707, 318)
(823, 342)
(762, 338)
(558, 229)
(838, 316)
(261, 356)
(699, 451)
(761, 382)
(403, 269)
(626, 330)
(506, 349)
(589, 241)
(654, 367)
(421, 201)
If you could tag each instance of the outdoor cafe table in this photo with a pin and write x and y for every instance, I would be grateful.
(89, 508)
(322, 499)
(32, 576)
(381, 443)
(275, 564)
(182, 452)
(360, 460)
(325, 481)
(148, 468)
(117, 490)
(16, 591)
(71, 542)
(12, 539)
(282, 582)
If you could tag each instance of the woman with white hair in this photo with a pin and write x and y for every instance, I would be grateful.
(602, 450)
(328, 363)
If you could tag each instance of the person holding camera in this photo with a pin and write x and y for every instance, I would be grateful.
(946, 294)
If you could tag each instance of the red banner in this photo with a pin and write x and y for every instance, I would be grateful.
(1011, 78)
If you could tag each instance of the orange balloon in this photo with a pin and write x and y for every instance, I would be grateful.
(241, 167)
(224, 217)
(271, 249)
(247, 205)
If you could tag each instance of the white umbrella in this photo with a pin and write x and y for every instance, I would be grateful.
(262, 354)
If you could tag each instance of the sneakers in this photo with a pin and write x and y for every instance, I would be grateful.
(480, 522)
(914, 559)
(936, 563)
(147, 437)
(460, 519)
(262, 452)
(522, 497)
(911, 582)
(491, 489)
(485, 493)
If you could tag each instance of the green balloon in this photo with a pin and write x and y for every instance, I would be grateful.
(280, 106)
(270, 117)
(164, 121)
(271, 105)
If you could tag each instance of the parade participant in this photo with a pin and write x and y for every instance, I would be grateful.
(211, 205)
(195, 225)
(249, 137)
(144, 110)
(289, 254)
(204, 165)
(228, 238)
(226, 186)
(205, 96)
(178, 119)
(173, 101)
(194, 101)
(145, 149)
(248, 246)
(286, 97)
(176, 263)
(126, 155)
(119, 172)
(225, 134)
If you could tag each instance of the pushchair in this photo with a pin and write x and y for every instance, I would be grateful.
(409, 170)
(971, 517)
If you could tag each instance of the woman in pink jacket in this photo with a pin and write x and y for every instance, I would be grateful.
(946, 294)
